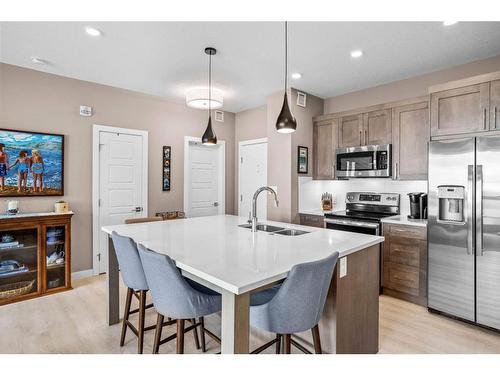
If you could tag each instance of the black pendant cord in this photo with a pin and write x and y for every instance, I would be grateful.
(209, 85)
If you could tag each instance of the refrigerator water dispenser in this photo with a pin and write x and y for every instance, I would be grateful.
(451, 203)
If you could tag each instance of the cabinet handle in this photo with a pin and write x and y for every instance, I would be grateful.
(396, 171)
(366, 137)
(484, 118)
(360, 138)
(333, 171)
(495, 117)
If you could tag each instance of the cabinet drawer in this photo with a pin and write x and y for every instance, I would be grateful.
(404, 251)
(312, 220)
(402, 278)
(408, 231)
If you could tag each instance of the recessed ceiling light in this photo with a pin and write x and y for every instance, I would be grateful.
(357, 53)
(38, 60)
(296, 75)
(449, 23)
(92, 31)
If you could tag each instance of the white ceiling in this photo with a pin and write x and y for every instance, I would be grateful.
(167, 58)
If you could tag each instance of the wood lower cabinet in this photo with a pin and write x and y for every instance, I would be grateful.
(495, 105)
(410, 137)
(405, 262)
(351, 131)
(312, 220)
(377, 127)
(38, 249)
(460, 110)
(325, 141)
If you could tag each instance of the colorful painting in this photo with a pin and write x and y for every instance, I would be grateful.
(302, 159)
(31, 164)
(166, 168)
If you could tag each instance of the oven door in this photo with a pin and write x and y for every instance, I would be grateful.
(364, 161)
(357, 226)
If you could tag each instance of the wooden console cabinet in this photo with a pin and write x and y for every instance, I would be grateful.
(405, 262)
(40, 247)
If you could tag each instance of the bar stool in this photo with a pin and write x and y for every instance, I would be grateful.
(135, 280)
(175, 296)
(295, 306)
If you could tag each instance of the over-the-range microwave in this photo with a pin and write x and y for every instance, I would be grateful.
(364, 161)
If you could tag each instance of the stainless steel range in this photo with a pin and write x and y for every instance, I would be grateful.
(364, 212)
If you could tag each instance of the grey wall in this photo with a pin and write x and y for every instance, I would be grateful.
(31, 100)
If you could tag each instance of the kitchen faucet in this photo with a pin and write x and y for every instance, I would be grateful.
(254, 204)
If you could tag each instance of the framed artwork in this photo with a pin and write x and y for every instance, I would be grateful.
(166, 168)
(302, 159)
(31, 164)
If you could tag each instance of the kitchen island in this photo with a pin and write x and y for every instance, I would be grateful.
(218, 253)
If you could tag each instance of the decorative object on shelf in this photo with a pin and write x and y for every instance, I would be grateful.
(166, 168)
(55, 236)
(12, 267)
(16, 289)
(61, 207)
(7, 237)
(31, 164)
(209, 137)
(302, 159)
(51, 284)
(56, 257)
(286, 123)
(8, 241)
(327, 202)
(12, 207)
(171, 215)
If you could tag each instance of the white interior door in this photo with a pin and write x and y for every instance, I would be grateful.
(120, 176)
(253, 175)
(203, 180)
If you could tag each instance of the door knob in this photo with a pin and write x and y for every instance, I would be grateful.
(216, 204)
(137, 209)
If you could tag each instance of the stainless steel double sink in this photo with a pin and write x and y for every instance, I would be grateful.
(275, 230)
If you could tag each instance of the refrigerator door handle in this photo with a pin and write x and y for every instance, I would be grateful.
(470, 186)
(479, 210)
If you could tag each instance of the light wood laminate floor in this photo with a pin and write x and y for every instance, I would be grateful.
(74, 322)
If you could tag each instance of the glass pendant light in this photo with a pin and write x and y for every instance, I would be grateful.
(286, 123)
(209, 137)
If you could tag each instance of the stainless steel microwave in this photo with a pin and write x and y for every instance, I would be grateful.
(364, 161)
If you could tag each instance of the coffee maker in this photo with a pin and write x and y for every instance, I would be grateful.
(418, 205)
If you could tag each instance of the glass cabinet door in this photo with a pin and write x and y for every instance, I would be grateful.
(19, 266)
(55, 256)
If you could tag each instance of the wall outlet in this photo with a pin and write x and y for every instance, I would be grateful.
(343, 266)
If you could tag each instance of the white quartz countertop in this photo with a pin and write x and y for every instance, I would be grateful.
(404, 220)
(33, 214)
(215, 249)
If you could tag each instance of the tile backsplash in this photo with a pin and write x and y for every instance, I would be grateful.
(310, 191)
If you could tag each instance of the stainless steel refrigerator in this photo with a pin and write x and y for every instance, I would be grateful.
(464, 229)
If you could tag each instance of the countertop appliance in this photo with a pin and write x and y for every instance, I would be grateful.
(364, 161)
(464, 229)
(364, 212)
(418, 205)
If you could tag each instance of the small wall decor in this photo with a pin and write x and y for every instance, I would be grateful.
(302, 159)
(166, 168)
(31, 164)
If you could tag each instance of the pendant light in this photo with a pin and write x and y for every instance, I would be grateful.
(209, 137)
(286, 123)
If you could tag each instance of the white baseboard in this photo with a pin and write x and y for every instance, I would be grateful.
(82, 274)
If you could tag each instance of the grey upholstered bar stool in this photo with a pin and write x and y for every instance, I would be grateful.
(134, 278)
(294, 306)
(178, 298)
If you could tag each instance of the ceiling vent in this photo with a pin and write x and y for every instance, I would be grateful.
(219, 116)
(301, 99)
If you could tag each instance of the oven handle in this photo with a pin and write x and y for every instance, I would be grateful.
(352, 223)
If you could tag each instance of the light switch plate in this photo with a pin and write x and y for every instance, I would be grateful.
(343, 266)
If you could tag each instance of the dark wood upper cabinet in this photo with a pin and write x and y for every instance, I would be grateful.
(410, 132)
(325, 141)
(495, 105)
(460, 110)
(377, 127)
(351, 131)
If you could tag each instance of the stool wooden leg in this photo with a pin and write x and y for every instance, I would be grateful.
(159, 328)
(126, 315)
(203, 344)
(142, 313)
(180, 336)
(278, 343)
(195, 334)
(316, 340)
(288, 343)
